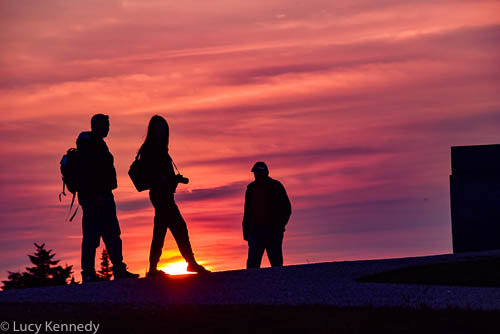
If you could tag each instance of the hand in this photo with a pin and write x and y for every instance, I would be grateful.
(248, 237)
(182, 179)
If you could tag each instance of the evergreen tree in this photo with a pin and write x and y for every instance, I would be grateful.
(45, 272)
(105, 271)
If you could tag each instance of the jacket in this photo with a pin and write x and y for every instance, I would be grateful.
(158, 163)
(97, 173)
(270, 212)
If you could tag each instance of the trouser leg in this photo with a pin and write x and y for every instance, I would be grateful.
(91, 235)
(167, 214)
(256, 249)
(159, 232)
(159, 228)
(89, 246)
(111, 234)
(180, 232)
(114, 247)
(274, 250)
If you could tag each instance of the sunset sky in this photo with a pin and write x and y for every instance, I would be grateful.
(354, 105)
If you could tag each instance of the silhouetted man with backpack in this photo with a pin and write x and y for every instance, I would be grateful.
(97, 179)
(267, 211)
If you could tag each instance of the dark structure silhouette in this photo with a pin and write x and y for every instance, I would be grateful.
(45, 272)
(157, 164)
(267, 211)
(475, 197)
(97, 179)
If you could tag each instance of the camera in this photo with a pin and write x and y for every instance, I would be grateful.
(182, 179)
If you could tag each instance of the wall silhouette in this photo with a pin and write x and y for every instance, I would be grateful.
(475, 197)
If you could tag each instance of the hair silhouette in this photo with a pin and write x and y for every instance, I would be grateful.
(98, 118)
(150, 137)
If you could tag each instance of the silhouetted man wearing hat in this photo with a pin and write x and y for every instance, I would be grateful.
(267, 210)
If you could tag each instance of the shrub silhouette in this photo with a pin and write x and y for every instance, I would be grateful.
(105, 271)
(45, 272)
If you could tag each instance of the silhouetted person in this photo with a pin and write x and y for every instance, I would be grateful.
(98, 179)
(267, 210)
(164, 181)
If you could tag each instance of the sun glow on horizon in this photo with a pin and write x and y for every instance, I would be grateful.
(176, 268)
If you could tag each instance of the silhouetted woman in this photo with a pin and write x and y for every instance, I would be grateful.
(154, 153)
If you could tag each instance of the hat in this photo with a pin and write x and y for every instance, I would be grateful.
(260, 166)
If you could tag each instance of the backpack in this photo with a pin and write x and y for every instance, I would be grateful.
(70, 170)
(138, 173)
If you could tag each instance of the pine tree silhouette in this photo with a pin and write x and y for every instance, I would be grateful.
(105, 271)
(45, 272)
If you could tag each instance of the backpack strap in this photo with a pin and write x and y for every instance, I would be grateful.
(63, 193)
(74, 214)
(173, 163)
(71, 207)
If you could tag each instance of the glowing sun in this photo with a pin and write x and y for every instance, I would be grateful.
(176, 268)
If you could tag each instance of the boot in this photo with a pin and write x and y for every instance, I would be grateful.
(195, 267)
(91, 277)
(153, 272)
(122, 272)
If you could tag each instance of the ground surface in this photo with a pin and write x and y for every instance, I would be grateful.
(325, 297)
(254, 319)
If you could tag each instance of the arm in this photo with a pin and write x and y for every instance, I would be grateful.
(171, 179)
(246, 216)
(286, 206)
